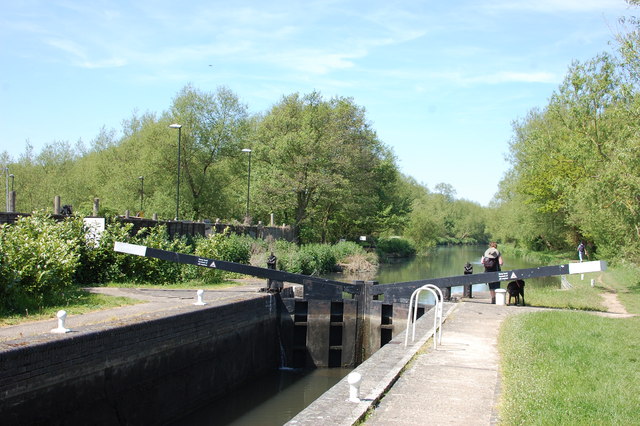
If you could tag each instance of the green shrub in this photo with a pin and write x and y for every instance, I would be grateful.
(313, 259)
(224, 246)
(317, 259)
(40, 257)
(396, 247)
(150, 270)
(100, 263)
(344, 249)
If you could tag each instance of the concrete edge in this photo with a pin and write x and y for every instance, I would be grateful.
(379, 373)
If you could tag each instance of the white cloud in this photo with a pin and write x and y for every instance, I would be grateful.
(79, 56)
(314, 61)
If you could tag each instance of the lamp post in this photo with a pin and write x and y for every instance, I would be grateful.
(6, 187)
(179, 127)
(141, 192)
(248, 181)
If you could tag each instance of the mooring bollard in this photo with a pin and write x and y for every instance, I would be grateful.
(354, 380)
(199, 300)
(62, 316)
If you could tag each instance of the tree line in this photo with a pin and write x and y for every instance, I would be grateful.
(316, 164)
(575, 172)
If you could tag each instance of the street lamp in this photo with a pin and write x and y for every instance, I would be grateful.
(141, 192)
(6, 187)
(179, 127)
(248, 181)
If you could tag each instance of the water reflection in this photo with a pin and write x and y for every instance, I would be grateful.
(446, 262)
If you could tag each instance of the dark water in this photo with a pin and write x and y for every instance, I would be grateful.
(271, 400)
(278, 397)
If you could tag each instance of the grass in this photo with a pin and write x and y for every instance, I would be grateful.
(625, 281)
(570, 368)
(194, 284)
(565, 367)
(580, 297)
(76, 302)
(79, 301)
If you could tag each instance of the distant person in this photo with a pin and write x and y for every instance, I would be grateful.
(492, 261)
(582, 251)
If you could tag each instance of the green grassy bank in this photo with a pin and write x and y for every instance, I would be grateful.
(569, 366)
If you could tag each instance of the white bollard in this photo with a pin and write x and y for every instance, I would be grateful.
(354, 380)
(62, 316)
(199, 301)
(593, 282)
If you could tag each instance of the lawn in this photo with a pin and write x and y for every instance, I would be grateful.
(570, 366)
(78, 301)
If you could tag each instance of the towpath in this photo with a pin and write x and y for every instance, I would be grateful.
(154, 303)
(457, 383)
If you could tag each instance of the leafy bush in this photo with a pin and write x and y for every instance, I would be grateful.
(223, 246)
(344, 249)
(317, 259)
(40, 257)
(150, 270)
(396, 247)
(100, 263)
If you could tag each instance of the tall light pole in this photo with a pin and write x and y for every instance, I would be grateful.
(141, 192)
(6, 186)
(248, 181)
(179, 127)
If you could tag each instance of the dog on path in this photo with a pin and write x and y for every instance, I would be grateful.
(516, 290)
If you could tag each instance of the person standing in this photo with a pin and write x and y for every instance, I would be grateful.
(582, 251)
(492, 261)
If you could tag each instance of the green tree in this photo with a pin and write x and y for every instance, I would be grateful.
(215, 129)
(321, 168)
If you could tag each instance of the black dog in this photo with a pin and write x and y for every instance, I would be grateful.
(515, 290)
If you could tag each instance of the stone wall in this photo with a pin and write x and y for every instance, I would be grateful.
(144, 373)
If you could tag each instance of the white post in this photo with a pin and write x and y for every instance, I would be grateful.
(199, 301)
(62, 316)
(354, 379)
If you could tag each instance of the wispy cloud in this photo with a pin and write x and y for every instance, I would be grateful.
(314, 61)
(79, 56)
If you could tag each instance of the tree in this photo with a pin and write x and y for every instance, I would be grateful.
(321, 167)
(215, 129)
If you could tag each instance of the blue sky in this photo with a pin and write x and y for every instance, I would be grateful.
(441, 81)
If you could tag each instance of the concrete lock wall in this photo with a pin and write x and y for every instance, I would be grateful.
(144, 373)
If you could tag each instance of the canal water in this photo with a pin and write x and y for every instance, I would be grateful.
(278, 397)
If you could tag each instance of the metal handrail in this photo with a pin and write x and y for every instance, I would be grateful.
(440, 307)
(437, 309)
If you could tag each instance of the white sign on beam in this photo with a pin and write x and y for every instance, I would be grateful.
(130, 248)
(584, 267)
